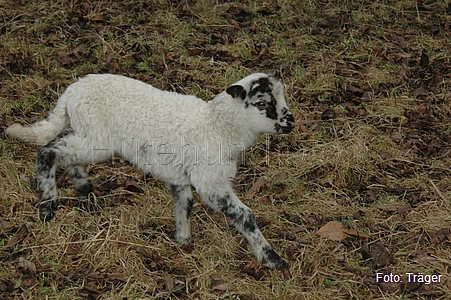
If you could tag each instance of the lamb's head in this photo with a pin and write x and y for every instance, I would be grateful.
(263, 98)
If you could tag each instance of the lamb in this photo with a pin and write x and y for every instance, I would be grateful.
(180, 139)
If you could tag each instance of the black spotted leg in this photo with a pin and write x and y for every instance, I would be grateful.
(243, 219)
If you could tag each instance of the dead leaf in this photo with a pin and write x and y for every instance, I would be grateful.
(328, 114)
(360, 213)
(3, 225)
(28, 282)
(89, 293)
(187, 248)
(424, 59)
(390, 287)
(252, 269)
(378, 253)
(26, 267)
(218, 284)
(286, 275)
(286, 235)
(440, 235)
(413, 286)
(333, 230)
(424, 108)
(418, 92)
(262, 222)
(356, 233)
(63, 58)
(173, 284)
(379, 53)
(132, 186)
(74, 247)
(260, 185)
(98, 17)
(152, 261)
(169, 282)
(42, 266)
(280, 197)
(393, 208)
(80, 51)
(349, 268)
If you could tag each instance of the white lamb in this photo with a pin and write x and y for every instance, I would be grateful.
(180, 139)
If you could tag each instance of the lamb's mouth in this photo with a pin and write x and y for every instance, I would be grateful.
(285, 129)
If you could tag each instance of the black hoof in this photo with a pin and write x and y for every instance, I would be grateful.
(281, 265)
(46, 215)
(273, 260)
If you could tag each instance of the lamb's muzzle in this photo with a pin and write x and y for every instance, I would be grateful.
(114, 115)
(289, 127)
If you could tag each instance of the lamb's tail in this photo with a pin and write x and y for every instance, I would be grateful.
(42, 132)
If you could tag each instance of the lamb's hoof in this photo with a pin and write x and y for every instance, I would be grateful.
(278, 264)
(187, 248)
(273, 260)
(46, 215)
(281, 265)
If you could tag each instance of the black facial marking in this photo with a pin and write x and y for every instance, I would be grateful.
(271, 110)
(263, 86)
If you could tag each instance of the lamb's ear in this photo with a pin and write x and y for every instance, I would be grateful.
(272, 74)
(236, 91)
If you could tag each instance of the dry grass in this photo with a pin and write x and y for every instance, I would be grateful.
(379, 165)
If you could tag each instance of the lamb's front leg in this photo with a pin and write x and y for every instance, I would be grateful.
(183, 203)
(243, 219)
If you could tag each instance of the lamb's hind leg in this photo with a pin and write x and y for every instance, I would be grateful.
(69, 151)
(243, 219)
(45, 173)
(183, 203)
(83, 185)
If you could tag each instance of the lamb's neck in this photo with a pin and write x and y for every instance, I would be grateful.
(229, 121)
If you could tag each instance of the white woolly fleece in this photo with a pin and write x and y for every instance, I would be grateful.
(180, 139)
(140, 122)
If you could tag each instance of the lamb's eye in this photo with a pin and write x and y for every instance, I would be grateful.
(260, 105)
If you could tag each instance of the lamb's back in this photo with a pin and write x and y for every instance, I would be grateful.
(125, 106)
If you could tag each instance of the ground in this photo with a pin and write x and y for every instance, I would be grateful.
(356, 198)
